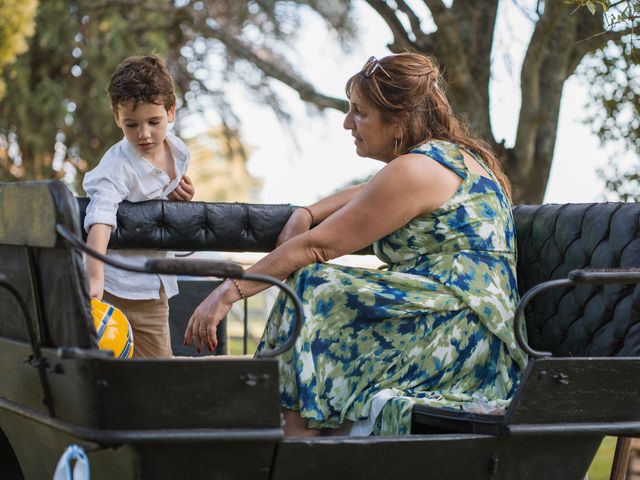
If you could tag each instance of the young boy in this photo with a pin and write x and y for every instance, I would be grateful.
(148, 163)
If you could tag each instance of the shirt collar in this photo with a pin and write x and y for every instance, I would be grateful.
(144, 168)
(180, 154)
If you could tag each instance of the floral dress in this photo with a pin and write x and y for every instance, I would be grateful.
(435, 327)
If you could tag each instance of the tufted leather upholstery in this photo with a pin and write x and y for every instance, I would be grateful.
(588, 320)
(552, 240)
(196, 226)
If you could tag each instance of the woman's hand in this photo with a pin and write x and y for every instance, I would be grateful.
(299, 222)
(203, 324)
(184, 190)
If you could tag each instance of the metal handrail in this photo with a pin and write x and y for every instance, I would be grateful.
(38, 360)
(201, 268)
(587, 276)
(519, 314)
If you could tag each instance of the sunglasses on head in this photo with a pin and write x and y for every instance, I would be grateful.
(371, 66)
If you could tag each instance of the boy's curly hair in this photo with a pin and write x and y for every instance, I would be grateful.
(141, 79)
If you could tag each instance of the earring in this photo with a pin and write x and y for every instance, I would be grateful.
(395, 146)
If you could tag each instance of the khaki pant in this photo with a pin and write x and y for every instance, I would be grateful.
(149, 320)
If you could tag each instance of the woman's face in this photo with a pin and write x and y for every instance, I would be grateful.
(374, 138)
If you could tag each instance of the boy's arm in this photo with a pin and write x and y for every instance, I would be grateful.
(98, 239)
(184, 190)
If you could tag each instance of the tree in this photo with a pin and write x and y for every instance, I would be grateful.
(250, 42)
(17, 25)
(55, 118)
(614, 76)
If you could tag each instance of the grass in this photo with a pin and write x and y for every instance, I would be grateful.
(236, 345)
(600, 468)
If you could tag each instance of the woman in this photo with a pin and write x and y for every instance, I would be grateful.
(437, 326)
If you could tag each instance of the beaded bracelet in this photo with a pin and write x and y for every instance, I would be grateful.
(235, 282)
(313, 219)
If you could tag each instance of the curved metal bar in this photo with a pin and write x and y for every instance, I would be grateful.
(202, 268)
(589, 276)
(519, 313)
(78, 243)
(602, 276)
(39, 360)
(297, 327)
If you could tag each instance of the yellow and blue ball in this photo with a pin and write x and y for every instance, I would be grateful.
(113, 329)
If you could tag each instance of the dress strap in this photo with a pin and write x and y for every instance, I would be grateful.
(478, 158)
(446, 154)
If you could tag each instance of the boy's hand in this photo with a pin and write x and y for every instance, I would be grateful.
(184, 191)
(98, 239)
(96, 288)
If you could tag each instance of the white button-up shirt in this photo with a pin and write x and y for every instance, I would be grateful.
(124, 174)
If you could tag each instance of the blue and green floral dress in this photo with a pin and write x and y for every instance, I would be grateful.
(435, 328)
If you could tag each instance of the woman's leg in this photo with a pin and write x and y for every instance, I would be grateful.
(296, 426)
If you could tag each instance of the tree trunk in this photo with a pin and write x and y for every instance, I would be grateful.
(552, 56)
(462, 44)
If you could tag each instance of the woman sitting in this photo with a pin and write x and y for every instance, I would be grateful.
(435, 327)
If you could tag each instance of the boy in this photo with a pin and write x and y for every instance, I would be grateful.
(148, 163)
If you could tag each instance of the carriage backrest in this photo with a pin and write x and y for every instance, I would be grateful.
(552, 240)
(49, 276)
(588, 320)
(196, 226)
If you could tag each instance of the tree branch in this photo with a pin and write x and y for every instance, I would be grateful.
(101, 5)
(305, 90)
(401, 39)
(530, 81)
(437, 7)
(452, 47)
(237, 47)
(414, 20)
(447, 30)
(594, 43)
(543, 30)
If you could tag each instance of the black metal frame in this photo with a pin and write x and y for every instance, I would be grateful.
(38, 359)
(199, 268)
(588, 276)
(119, 437)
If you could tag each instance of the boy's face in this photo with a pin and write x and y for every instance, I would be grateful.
(145, 127)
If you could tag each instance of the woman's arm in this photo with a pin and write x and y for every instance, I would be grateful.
(402, 190)
(301, 221)
(331, 204)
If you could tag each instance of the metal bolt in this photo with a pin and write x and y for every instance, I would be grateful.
(250, 380)
(561, 378)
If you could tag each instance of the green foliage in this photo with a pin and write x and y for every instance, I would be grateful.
(613, 76)
(600, 468)
(16, 26)
(55, 119)
(591, 5)
(619, 12)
